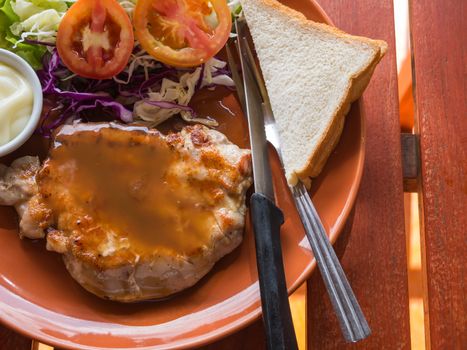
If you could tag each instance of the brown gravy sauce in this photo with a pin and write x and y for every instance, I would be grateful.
(124, 180)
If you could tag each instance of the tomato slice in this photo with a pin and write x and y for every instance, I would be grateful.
(95, 38)
(182, 33)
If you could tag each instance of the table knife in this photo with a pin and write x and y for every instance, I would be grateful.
(267, 219)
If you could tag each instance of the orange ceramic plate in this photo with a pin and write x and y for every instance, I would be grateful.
(39, 298)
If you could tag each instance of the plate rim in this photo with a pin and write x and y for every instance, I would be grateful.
(255, 314)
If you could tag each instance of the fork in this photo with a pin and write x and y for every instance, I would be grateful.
(349, 314)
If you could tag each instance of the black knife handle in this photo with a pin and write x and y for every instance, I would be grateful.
(267, 220)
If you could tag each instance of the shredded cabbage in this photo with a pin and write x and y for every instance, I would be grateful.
(164, 93)
(27, 8)
(180, 94)
(139, 57)
(153, 91)
(31, 53)
(41, 25)
(38, 19)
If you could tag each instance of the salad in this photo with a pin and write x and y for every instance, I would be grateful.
(132, 60)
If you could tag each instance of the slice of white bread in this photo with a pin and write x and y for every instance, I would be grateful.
(313, 72)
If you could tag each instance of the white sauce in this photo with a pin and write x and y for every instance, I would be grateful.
(16, 101)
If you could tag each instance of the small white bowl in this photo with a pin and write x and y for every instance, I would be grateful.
(26, 70)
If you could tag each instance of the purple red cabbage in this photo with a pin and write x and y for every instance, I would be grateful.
(72, 96)
(124, 114)
(201, 76)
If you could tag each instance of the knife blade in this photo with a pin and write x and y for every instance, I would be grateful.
(258, 142)
(266, 218)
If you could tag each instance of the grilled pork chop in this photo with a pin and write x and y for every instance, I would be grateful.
(136, 214)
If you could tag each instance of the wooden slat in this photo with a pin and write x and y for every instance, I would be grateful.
(439, 44)
(374, 254)
(250, 338)
(373, 249)
(10, 340)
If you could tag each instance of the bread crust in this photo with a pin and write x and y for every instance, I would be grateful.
(330, 138)
(357, 84)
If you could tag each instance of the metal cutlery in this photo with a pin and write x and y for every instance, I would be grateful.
(267, 219)
(350, 316)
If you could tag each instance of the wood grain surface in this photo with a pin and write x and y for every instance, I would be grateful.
(250, 338)
(10, 340)
(373, 248)
(439, 44)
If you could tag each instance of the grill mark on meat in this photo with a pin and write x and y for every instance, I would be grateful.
(111, 263)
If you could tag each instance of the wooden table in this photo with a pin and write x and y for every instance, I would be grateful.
(372, 247)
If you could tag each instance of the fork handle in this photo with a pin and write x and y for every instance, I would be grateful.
(351, 319)
(267, 220)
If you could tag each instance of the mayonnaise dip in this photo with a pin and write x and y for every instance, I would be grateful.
(16, 102)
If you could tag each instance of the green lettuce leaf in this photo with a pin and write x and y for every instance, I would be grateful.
(7, 11)
(31, 53)
(27, 8)
(7, 18)
(37, 16)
